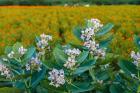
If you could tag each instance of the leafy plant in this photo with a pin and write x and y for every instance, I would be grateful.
(68, 68)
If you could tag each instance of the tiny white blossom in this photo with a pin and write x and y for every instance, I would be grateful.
(96, 24)
(22, 50)
(56, 77)
(11, 54)
(5, 71)
(70, 63)
(136, 57)
(87, 34)
(91, 45)
(72, 52)
(34, 64)
(43, 42)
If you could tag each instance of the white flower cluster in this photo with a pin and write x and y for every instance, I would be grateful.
(96, 23)
(89, 36)
(87, 33)
(72, 53)
(21, 52)
(34, 64)
(136, 57)
(43, 43)
(11, 54)
(5, 71)
(56, 77)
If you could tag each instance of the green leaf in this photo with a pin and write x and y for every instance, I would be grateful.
(8, 49)
(38, 76)
(105, 29)
(116, 89)
(79, 47)
(102, 75)
(85, 66)
(128, 67)
(137, 41)
(16, 47)
(40, 89)
(82, 56)
(79, 87)
(19, 84)
(59, 55)
(105, 42)
(28, 55)
(77, 33)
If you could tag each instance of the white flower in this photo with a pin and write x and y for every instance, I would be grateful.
(11, 54)
(43, 42)
(100, 53)
(72, 52)
(34, 64)
(70, 63)
(91, 45)
(22, 50)
(56, 77)
(136, 57)
(87, 34)
(96, 24)
(5, 71)
(46, 37)
(49, 37)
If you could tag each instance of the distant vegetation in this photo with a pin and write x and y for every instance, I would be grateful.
(67, 2)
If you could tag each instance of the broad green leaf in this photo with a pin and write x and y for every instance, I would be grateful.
(19, 84)
(59, 55)
(79, 47)
(85, 66)
(105, 29)
(77, 33)
(40, 89)
(82, 56)
(28, 55)
(79, 87)
(38, 76)
(116, 89)
(137, 41)
(105, 42)
(8, 49)
(102, 75)
(128, 67)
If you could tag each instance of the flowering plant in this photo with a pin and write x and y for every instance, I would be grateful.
(131, 70)
(67, 68)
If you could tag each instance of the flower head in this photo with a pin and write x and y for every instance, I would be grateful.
(22, 50)
(70, 63)
(87, 33)
(72, 52)
(5, 71)
(44, 41)
(56, 77)
(34, 64)
(136, 57)
(11, 54)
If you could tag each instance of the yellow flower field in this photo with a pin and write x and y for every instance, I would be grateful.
(24, 23)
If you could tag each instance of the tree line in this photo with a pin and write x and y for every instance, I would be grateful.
(68, 2)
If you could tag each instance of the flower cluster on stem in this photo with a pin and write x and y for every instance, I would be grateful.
(72, 53)
(88, 36)
(56, 77)
(5, 71)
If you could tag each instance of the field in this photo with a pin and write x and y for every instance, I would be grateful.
(24, 23)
